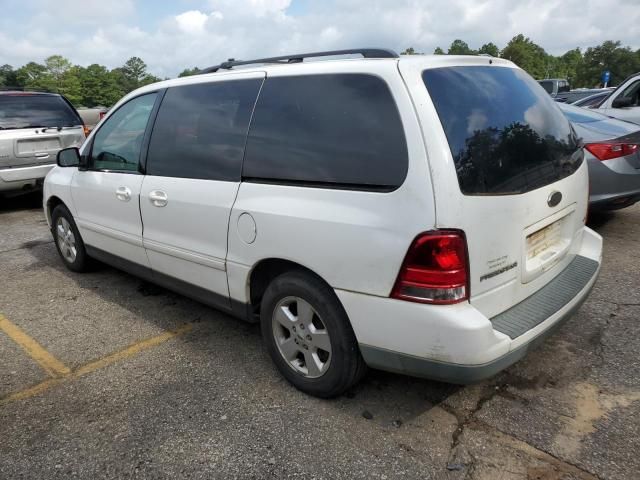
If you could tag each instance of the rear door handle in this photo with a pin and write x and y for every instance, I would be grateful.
(158, 198)
(123, 194)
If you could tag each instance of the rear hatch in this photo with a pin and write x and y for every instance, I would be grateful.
(513, 178)
(34, 127)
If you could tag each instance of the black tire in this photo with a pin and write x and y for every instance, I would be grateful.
(346, 366)
(82, 262)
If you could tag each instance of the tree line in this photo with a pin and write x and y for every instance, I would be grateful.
(84, 86)
(97, 85)
(582, 69)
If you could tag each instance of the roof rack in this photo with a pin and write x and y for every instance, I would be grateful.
(297, 58)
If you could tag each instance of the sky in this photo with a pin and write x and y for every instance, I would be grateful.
(172, 35)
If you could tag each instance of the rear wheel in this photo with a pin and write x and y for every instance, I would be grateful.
(68, 241)
(308, 335)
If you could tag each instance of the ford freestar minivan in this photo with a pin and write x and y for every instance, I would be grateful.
(423, 215)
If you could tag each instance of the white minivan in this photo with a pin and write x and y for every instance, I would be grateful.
(423, 215)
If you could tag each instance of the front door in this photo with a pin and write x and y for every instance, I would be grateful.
(193, 171)
(106, 195)
(630, 113)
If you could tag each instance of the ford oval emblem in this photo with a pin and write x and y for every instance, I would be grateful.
(554, 199)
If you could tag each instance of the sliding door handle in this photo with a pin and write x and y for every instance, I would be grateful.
(158, 198)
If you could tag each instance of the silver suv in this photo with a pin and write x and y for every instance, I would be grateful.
(34, 126)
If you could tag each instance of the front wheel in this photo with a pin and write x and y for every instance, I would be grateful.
(68, 241)
(308, 335)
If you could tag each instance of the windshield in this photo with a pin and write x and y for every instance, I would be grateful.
(29, 110)
(505, 133)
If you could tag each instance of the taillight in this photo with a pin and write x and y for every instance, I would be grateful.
(608, 151)
(101, 115)
(435, 269)
(87, 130)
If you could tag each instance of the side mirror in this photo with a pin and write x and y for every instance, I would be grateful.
(68, 157)
(622, 102)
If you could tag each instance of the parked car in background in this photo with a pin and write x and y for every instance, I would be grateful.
(92, 116)
(302, 195)
(594, 100)
(578, 94)
(612, 150)
(34, 126)
(624, 101)
(555, 86)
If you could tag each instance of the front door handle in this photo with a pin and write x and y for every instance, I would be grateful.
(158, 198)
(123, 194)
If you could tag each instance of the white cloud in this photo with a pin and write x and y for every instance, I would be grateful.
(95, 31)
(192, 21)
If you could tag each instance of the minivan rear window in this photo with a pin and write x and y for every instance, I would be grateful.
(505, 133)
(24, 110)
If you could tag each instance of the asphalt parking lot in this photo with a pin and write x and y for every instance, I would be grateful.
(105, 376)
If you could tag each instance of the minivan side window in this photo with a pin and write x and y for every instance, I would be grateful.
(201, 129)
(117, 145)
(339, 130)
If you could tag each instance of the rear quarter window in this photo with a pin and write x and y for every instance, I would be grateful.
(505, 134)
(337, 130)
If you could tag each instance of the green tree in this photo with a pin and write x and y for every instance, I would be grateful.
(8, 76)
(459, 47)
(410, 51)
(620, 61)
(438, 51)
(57, 66)
(490, 49)
(187, 72)
(567, 65)
(69, 84)
(527, 55)
(98, 86)
(31, 72)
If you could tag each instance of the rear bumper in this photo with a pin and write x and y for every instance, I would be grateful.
(460, 345)
(613, 184)
(21, 178)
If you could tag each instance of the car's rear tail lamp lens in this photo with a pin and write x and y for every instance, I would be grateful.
(608, 151)
(435, 269)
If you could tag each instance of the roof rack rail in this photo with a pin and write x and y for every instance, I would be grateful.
(297, 58)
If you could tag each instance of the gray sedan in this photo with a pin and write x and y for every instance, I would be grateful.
(612, 150)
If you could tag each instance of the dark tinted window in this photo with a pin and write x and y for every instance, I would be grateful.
(201, 130)
(327, 129)
(24, 110)
(547, 85)
(505, 133)
(117, 145)
(592, 101)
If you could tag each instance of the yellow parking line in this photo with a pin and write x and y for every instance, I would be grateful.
(128, 352)
(48, 362)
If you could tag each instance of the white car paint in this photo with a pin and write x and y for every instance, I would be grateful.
(630, 114)
(354, 240)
